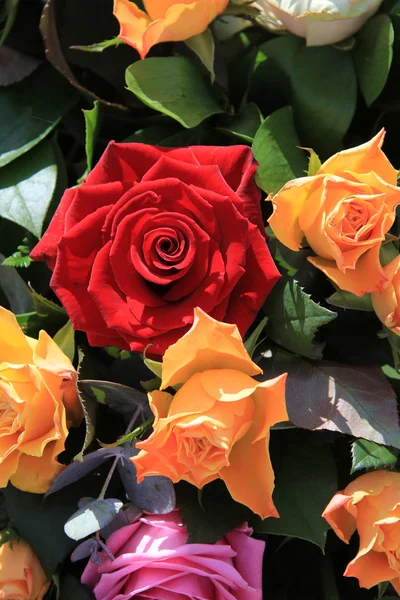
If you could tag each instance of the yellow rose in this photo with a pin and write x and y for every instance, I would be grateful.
(386, 303)
(217, 424)
(370, 505)
(164, 20)
(38, 402)
(21, 574)
(344, 212)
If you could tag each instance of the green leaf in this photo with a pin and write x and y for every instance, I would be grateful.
(209, 513)
(368, 455)
(15, 289)
(314, 162)
(89, 407)
(47, 308)
(100, 46)
(27, 186)
(322, 89)
(25, 124)
(353, 400)
(294, 319)
(154, 366)
(92, 127)
(275, 150)
(92, 517)
(254, 338)
(204, 47)
(8, 14)
(65, 340)
(21, 257)
(304, 484)
(173, 86)
(373, 55)
(344, 299)
(244, 126)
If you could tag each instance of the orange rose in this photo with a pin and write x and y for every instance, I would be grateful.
(344, 212)
(21, 574)
(370, 504)
(217, 425)
(164, 20)
(38, 401)
(387, 302)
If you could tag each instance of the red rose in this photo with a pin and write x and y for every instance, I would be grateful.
(152, 233)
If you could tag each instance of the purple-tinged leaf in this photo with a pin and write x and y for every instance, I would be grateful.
(121, 398)
(358, 401)
(155, 494)
(15, 66)
(120, 520)
(77, 470)
(92, 518)
(84, 549)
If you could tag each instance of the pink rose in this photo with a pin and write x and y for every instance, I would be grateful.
(153, 561)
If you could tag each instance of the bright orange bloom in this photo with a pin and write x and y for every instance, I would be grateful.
(344, 211)
(164, 20)
(371, 505)
(217, 424)
(38, 402)
(21, 574)
(386, 303)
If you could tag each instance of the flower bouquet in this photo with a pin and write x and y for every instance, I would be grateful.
(199, 300)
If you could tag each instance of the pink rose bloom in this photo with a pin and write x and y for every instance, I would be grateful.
(154, 562)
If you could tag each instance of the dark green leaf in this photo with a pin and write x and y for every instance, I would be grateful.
(65, 340)
(275, 150)
(8, 14)
(92, 517)
(368, 455)
(15, 66)
(209, 513)
(204, 47)
(358, 401)
(173, 86)
(244, 126)
(71, 587)
(89, 407)
(344, 299)
(25, 124)
(294, 319)
(119, 397)
(27, 186)
(373, 54)
(92, 126)
(47, 308)
(15, 289)
(304, 484)
(253, 340)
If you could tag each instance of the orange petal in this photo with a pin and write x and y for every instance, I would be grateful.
(209, 344)
(36, 474)
(251, 487)
(133, 24)
(270, 405)
(370, 569)
(157, 456)
(289, 203)
(160, 403)
(338, 517)
(8, 467)
(368, 275)
(14, 347)
(386, 302)
(363, 159)
(181, 20)
(59, 374)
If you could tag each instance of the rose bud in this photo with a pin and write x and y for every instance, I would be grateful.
(21, 574)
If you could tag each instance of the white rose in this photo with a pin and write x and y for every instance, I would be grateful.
(322, 22)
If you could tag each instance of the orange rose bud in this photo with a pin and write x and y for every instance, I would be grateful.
(386, 303)
(217, 425)
(21, 574)
(38, 402)
(344, 212)
(370, 505)
(164, 21)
